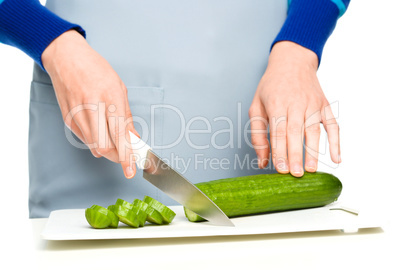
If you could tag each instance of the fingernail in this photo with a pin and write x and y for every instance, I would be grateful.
(297, 170)
(311, 165)
(339, 158)
(129, 172)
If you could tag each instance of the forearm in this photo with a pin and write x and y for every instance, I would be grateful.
(27, 25)
(310, 23)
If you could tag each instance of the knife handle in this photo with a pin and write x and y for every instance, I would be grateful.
(140, 149)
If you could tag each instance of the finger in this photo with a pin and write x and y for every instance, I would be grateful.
(332, 129)
(79, 127)
(130, 117)
(312, 133)
(295, 137)
(259, 133)
(100, 134)
(77, 131)
(77, 121)
(277, 130)
(72, 125)
(120, 122)
(130, 128)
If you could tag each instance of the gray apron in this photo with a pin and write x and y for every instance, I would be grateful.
(191, 69)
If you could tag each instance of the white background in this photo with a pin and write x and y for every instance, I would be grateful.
(361, 71)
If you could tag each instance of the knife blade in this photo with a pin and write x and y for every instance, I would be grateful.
(160, 174)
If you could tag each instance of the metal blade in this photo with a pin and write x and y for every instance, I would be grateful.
(164, 177)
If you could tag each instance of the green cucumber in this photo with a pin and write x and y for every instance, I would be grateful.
(127, 216)
(99, 217)
(263, 193)
(153, 215)
(167, 214)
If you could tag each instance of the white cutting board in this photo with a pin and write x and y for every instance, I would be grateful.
(72, 225)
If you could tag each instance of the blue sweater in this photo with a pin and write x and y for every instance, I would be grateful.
(29, 26)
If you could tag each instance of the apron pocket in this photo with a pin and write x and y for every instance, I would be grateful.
(43, 93)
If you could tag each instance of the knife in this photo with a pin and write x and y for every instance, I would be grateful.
(160, 174)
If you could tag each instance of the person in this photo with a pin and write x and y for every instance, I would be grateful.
(180, 74)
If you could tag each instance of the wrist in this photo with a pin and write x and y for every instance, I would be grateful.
(290, 53)
(62, 46)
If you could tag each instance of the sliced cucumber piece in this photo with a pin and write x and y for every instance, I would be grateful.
(135, 210)
(125, 215)
(124, 203)
(110, 214)
(113, 217)
(111, 208)
(191, 216)
(153, 215)
(97, 217)
(167, 214)
(141, 215)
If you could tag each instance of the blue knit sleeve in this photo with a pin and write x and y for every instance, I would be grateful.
(31, 27)
(311, 22)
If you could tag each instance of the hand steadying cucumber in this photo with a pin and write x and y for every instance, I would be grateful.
(269, 192)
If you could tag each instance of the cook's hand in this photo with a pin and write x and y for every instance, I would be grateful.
(92, 98)
(290, 101)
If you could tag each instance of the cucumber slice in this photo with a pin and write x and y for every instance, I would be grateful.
(110, 214)
(153, 215)
(124, 203)
(113, 217)
(191, 216)
(111, 208)
(97, 217)
(136, 210)
(126, 216)
(141, 215)
(167, 214)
